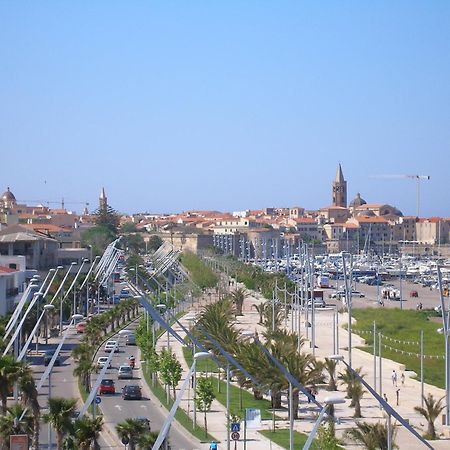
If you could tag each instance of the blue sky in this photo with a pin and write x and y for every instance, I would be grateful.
(228, 105)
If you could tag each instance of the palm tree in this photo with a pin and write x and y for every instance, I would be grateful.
(59, 416)
(131, 429)
(356, 393)
(238, 296)
(305, 368)
(84, 370)
(348, 377)
(272, 321)
(146, 440)
(27, 387)
(372, 436)
(87, 430)
(260, 310)
(330, 367)
(9, 425)
(82, 351)
(431, 412)
(10, 371)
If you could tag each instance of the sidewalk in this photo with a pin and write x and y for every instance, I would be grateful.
(409, 395)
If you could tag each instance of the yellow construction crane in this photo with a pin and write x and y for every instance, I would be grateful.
(414, 177)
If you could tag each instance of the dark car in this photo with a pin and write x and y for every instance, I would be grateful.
(107, 387)
(131, 392)
(48, 357)
(145, 422)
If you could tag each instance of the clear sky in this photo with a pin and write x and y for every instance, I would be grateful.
(228, 105)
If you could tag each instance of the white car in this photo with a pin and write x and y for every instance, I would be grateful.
(318, 303)
(337, 294)
(125, 372)
(357, 294)
(111, 346)
(102, 361)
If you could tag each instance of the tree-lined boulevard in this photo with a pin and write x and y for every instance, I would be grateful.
(264, 346)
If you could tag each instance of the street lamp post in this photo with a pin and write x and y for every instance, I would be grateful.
(72, 264)
(328, 401)
(74, 288)
(446, 331)
(48, 308)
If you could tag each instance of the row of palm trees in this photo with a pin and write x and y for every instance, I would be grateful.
(97, 329)
(83, 433)
(219, 321)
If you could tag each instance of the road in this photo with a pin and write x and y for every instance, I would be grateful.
(63, 382)
(116, 410)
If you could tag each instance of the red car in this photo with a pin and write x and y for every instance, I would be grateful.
(107, 387)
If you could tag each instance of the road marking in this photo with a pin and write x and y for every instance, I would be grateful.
(144, 406)
(118, 407)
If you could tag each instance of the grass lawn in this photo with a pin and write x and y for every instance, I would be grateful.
(248, 401)
(405, 325)
(281, 438)
(203, 365)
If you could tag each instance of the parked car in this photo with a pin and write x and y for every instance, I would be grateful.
(358, 294)
(318, 303)
(130, 339)
(101, 361)
(48, 355)
(125, 372)
(107, 386)
(81, 327)
(131, 392)
(111, 346)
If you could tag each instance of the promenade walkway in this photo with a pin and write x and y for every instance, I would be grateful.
(409, 394)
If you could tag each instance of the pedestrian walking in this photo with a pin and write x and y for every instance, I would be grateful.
(394, 378)
(397, 393)
(309, 391)
(385, 398)
(402, 377)
(213, 446)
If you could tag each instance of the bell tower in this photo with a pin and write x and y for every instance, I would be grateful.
(339, 189)
(103, 201)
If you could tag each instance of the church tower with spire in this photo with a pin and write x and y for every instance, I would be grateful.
(103, 201)
(339, 189)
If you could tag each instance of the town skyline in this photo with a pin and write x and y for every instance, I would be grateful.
(91, 205)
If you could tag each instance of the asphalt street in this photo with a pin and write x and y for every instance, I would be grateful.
(116, 410)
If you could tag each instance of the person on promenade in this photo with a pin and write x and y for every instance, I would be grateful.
(394, 378)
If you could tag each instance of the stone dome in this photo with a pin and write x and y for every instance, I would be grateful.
(366, 213)
(357, 201)
(8, 198)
